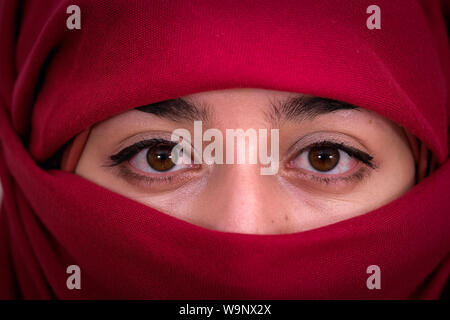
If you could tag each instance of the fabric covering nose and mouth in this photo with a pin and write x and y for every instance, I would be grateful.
(57, 82)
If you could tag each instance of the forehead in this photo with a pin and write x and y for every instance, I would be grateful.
(238, 107)
(244, 97)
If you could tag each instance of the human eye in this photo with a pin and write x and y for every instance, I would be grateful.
(152, 161)
(331, 161)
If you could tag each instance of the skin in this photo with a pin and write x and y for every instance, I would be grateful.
(237, 198)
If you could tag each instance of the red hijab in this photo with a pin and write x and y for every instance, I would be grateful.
(57, 82)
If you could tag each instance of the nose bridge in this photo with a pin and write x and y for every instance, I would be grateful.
(242, 200)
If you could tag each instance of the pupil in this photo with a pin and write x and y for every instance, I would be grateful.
(159, 157)
(323, 158)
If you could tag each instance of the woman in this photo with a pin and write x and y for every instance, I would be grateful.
(334, 161)
(88, 123)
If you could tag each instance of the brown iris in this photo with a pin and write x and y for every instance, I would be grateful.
(323, 158)
(159, 157)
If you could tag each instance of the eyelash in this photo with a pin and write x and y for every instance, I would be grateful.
(129, 152)
(352, 152)
(132, 176)
(357, 176)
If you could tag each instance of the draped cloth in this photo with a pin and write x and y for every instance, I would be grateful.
(56, 82)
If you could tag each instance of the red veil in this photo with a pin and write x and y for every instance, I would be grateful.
(56, 82)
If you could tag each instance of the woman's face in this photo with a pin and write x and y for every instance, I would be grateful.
(335, 162)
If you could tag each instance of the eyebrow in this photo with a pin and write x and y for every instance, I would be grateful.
(300, 107)
(304, 107)
(177, 110)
